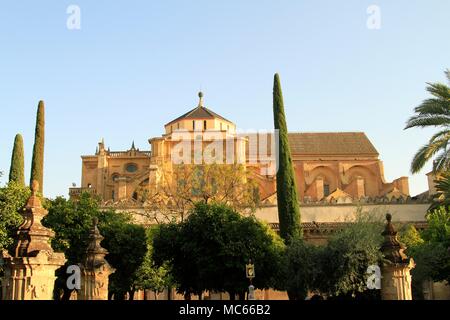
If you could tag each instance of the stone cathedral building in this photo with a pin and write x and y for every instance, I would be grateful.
(337, 174)
(330, 166)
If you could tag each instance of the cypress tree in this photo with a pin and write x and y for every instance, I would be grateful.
(37, 164)
(288, 206)
(16, 172)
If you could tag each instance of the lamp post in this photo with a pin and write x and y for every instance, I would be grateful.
(250, 272)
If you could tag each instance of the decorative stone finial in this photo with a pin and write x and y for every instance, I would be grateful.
(32, 237)
(392, 249)
(95, 269)
(95, 253)
(200, 102)
(388, 217)
(396, 265)
(33, 200)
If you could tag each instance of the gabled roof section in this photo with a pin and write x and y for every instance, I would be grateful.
(199, 112)
(331, 143)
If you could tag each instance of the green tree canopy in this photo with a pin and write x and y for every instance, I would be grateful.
(71, 221)
(13, 197)
(126, 244)
(338, 269)
(210, 249)
(349, 253)
(302, 268)
(149, 276)
(432, 251)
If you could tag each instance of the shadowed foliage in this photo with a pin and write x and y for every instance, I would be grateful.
(209, 251)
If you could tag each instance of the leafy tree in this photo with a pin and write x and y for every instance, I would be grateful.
(302, 268)
(37, 164)
(350, 251)
(438, 230)
(433, 112)
(16, 172)
(72, 220)
(410, 237)
(435, 251)
(13, 197)
(210, 249)
(126, 244)
(149, 276)
(288, 206)
(431, 250)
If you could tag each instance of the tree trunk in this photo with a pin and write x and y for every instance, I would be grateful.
(232, 295)
(66, 295)
(241, 295)
(119, 296)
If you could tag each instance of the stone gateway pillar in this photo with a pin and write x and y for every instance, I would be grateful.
(30, 273)
(95, 270)
(396, 266)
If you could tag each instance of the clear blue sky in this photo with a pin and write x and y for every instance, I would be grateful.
(135, 65)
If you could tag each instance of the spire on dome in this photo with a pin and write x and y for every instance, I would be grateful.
(200, 112)
(200, 101)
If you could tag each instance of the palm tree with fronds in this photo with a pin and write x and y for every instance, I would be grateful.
(442, 196)
(433, 112)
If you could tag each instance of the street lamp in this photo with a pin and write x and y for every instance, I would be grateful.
(250, 272)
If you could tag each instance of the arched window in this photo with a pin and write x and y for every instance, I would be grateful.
(326, 189)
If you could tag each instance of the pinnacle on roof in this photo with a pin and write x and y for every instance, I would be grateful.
(199, 112)
(200, 100)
